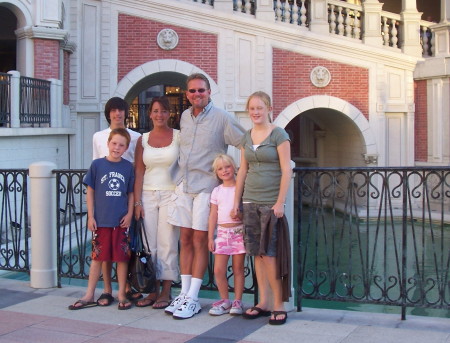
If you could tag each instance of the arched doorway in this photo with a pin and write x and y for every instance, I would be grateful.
(327, 132)
(157, 78)
(8, 42)
(158, 84)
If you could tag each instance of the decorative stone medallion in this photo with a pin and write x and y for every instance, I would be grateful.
(320, 77)
(167, 39)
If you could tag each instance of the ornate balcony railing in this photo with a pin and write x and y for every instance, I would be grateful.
(34, 101)
(14, 231)
(374, 235)
(5, 100)
(30, 102)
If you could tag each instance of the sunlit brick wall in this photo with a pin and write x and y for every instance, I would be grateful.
(138, 45)
(291, 81)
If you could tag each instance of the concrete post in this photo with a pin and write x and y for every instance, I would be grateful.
(43, 229)
(319, 17)
(372, 22)
(264, 10)
(289, 212)
(55, 102)
(15, 98)
(411, 29)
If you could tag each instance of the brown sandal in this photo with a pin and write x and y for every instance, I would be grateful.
(144, 302)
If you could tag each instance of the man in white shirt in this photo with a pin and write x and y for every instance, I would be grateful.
(116, 113)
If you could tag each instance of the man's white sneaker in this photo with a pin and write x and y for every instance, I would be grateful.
(175, 304)
(189, 308)
(236, 308)
(220, 307)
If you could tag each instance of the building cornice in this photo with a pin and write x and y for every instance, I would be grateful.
(33, 32)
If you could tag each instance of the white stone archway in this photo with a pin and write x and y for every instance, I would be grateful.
(166, 65)
(342, 106)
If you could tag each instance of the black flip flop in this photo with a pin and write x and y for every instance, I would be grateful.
(275, 320)
(105, 296)
(259, 313)
(84, 304)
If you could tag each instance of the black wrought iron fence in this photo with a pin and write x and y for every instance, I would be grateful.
(14, 230)
(74, 239)
(374, 235)
(5, 100)
(34, 101)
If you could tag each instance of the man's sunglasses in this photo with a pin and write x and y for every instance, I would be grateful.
(200, 90)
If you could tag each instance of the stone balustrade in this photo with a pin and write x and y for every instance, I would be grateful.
(335, 17)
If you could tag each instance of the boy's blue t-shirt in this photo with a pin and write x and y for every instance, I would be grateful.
(111, 181)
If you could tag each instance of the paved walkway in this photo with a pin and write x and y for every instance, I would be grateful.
(34, 316)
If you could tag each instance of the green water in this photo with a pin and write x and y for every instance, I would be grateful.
(339, 245)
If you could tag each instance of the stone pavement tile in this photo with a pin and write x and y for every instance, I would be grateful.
(159, 320)
(127, 334)
(11, 321)
(297, 329)
(233, 329)
(15, 297)
(373, 334)
(76, 326)
(54, 306)
(426, 323)
(36, 335)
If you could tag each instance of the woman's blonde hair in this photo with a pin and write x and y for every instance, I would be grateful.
(265, 99)
(223, 157)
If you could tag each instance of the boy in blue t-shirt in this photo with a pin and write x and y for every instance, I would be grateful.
(110, 201)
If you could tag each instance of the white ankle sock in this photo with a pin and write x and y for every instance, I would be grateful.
(185, 283)
(195, 288)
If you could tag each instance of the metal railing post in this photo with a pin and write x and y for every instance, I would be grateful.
(43, 272)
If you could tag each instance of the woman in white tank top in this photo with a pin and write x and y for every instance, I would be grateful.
(155, 152)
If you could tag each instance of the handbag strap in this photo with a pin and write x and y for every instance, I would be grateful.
(142, 232)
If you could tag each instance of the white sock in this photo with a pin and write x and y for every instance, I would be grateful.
(185, 283)
(195, 288)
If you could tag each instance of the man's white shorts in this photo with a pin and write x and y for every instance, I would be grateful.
(189, 210)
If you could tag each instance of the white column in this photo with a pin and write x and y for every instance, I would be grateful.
(411, 28)
(441, 32)
(15, 98)
(372, 22)
(264, 10)
(319, 17)
(445, 11)
(55, 103)
(43, 272)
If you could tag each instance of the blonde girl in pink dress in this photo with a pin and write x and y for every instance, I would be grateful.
(229, 239)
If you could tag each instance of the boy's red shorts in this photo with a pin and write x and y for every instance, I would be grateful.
(110, 244)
